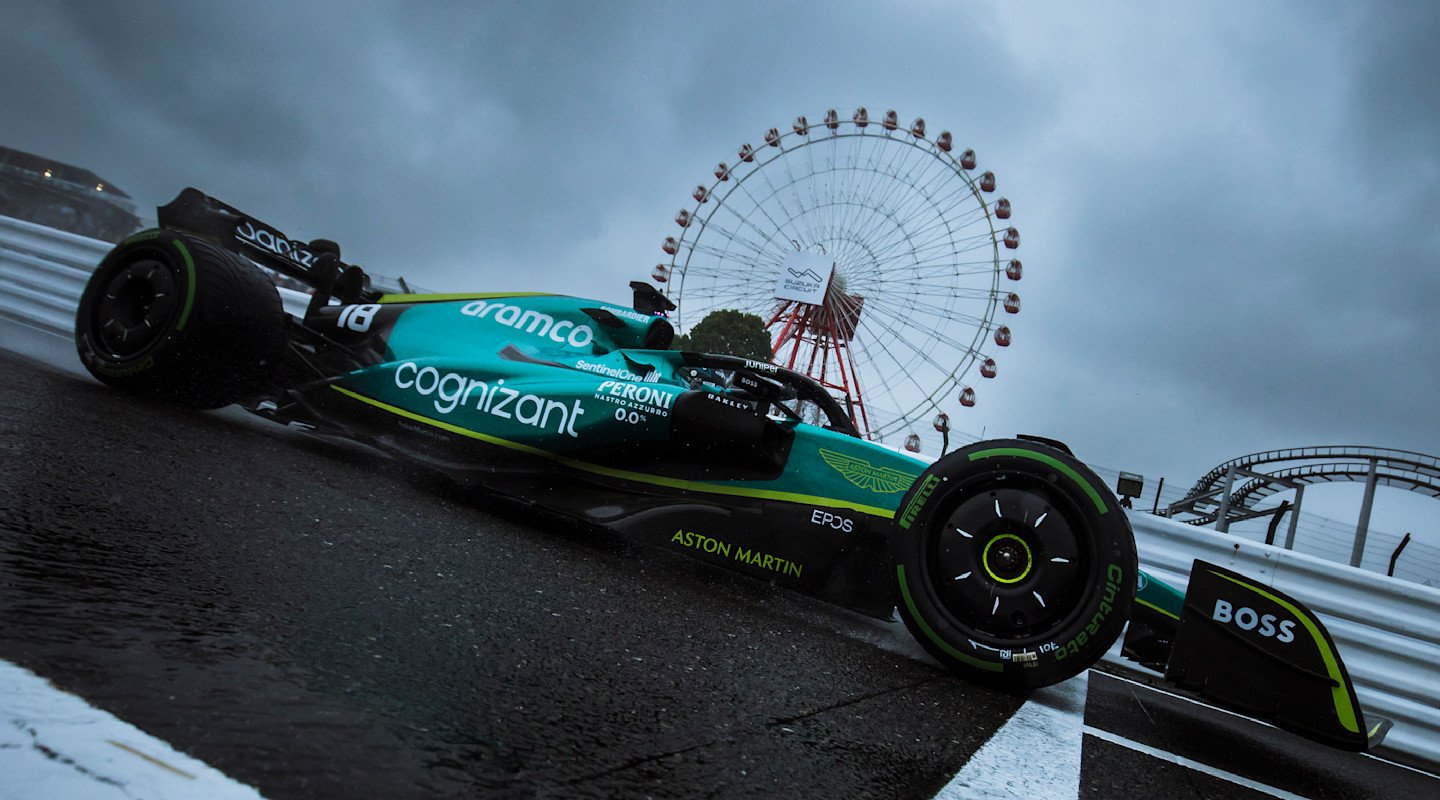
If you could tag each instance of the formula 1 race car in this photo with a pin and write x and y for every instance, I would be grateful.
(1009, 560)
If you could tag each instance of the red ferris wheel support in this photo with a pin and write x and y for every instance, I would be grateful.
(815, 340)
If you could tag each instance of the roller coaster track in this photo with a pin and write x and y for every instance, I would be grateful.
(1250, 479)
(1419, 462)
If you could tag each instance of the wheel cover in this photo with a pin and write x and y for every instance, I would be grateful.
(1011, 563)
(135, 308)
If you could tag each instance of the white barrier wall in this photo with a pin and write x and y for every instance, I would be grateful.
(43, 271)
(1388, 630)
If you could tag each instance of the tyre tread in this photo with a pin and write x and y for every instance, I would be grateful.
(233, 336)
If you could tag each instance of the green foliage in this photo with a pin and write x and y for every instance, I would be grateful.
(728, 332)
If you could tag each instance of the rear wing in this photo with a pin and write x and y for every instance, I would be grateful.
(1256, 650)
(316, 263)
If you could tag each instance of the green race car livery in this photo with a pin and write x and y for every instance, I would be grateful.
(1009, 560)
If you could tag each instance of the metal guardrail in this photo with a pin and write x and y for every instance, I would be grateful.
(1388, 630)
(43, 271)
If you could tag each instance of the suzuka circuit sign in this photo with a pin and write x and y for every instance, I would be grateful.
(804, 278)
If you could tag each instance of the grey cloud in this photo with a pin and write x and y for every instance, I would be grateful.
(1228, 215)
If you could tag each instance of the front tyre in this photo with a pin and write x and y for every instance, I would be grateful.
(174, 317)
(1014, 564)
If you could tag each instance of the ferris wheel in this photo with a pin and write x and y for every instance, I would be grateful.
(874, 254)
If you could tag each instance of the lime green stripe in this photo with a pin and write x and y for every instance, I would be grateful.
(1049, 461)
(435, 298)
(985, 558)
(654, 480)
(1158, 609)
(934, 637)
(189, 284)
(1343, 709)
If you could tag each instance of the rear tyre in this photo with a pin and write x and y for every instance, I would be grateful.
(174, 317)
(1014, 564)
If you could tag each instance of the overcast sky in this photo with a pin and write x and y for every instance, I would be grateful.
(1229, 209)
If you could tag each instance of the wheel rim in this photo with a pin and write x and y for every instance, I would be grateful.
(135, 308)
(1010, 563)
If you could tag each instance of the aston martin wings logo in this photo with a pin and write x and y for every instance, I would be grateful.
(881, 480)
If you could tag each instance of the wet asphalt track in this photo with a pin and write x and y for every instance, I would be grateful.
(317, 621)
(313, 620)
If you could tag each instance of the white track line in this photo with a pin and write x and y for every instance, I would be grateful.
(1046, 735)
(1163, 755)
(54, 744)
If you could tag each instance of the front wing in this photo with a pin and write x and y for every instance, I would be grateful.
(1258, 651)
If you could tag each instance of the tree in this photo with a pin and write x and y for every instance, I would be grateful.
(728, 332)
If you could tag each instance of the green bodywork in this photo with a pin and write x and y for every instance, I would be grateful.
(1159, 597)
(563, 378)
(541, 375)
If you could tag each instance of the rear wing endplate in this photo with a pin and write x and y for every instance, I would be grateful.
(317, 263)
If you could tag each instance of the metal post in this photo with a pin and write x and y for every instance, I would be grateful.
(1155, 509)
(1395, 555)
(1275, 522)
(1363, 527)
(1222, 519)
(1294, 518)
